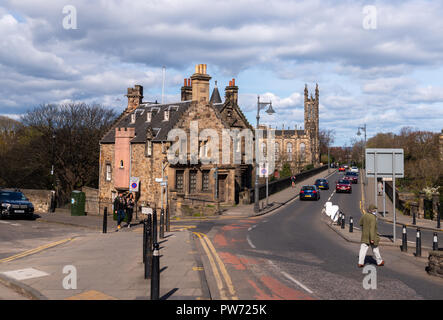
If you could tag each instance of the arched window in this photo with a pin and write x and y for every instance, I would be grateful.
(302, 151)
(277, 151)
(289, 151)
(263, 148)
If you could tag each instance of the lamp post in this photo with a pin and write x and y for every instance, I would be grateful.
(364, 147)
(53, 203)
(260, 105)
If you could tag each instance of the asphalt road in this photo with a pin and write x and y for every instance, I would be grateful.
(292, 254)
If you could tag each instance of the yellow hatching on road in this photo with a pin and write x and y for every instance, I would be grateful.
(35, 250)
(212, 253)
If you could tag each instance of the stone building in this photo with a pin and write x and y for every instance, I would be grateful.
(137, 145)
(297, 147)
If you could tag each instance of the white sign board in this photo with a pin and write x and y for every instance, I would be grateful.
(134, 183)
(146, 210)
(382, 162)
(263, 170)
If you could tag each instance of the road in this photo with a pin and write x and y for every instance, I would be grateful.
(292, 254)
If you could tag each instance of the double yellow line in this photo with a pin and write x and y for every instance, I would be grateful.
(35, 250)
(214, 260)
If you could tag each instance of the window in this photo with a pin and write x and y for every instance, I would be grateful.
(289, 151)
(133, 118)
(148, 150)
(263, 148)
(205, 180)
(203, 149)
(121, 164)
(108, 172)
(149, 116)
(179, 180)
(192, 181)
(166, 115)
(302, 151)
(277, 151)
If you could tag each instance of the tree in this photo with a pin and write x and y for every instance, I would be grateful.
(326, 140)
(73, 132)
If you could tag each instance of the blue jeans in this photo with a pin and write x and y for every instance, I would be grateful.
(120, 216)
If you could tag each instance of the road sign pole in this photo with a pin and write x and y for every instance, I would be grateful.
(267, 191)
(375, 180)
(393, 193)
(384, 198)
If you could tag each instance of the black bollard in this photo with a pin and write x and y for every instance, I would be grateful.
(404, 240)
(435, 242)
(105, 220)
(418, 244)
(148, 258)
(145, 241)
(414, 220)
(168, 224)
(162, 223)
(155, 273)
(351, 224)
(154, 226)
(343, 222)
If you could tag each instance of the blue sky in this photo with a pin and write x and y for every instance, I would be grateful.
(387, 77)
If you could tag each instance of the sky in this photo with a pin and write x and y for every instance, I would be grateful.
(378, 63)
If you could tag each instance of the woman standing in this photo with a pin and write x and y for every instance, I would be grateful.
(130, 203)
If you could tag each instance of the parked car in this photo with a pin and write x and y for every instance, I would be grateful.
(322, 184)
(309, 192)
(354, 169)
(351, 176)
(14, 203)
(343, 185)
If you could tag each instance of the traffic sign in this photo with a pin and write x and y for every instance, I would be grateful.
(134, 183)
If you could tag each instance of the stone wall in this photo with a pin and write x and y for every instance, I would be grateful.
(92, 201)
(41, 199)
(435, 263)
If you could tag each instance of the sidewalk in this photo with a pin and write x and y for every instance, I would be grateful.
(401, 219)
(276, 200)
(109, 266)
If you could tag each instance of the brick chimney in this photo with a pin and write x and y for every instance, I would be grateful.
(135, 97)
(200, 84)
(187, 90)
(231, 92)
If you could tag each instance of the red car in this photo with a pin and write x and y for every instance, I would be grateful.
(351, 176)
(341, 169)
(343, 185)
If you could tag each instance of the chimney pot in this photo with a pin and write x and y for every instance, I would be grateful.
(233, 81)
(184, 82)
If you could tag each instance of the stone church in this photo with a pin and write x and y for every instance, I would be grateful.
(137, 146)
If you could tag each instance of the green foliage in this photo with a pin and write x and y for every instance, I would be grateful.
(309, 167)
(285, 171)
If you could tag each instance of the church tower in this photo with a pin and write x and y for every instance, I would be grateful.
(311, 105)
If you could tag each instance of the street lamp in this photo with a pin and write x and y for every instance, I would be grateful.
(53, 198)
(364, 147)
(260, 105)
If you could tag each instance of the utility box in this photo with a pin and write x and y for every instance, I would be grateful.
(78, 201)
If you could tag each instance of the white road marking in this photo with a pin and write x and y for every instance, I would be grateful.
(250, 228)
(15, 224)
(249, 241)
(291, 278)
(24, 274)
(5, 222)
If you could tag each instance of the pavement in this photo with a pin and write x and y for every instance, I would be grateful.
(401, 219)
(107, 266)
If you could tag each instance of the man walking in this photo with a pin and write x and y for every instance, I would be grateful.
(293, 179)
(130, 207)
(369, 237)
(119, 208)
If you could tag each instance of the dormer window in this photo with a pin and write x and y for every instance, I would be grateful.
(133, 118)
(166, 118)
(149, 116)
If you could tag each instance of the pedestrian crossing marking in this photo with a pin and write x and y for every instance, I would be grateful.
(25, 274)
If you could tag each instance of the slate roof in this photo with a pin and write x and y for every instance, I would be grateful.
(159, 127)
(215, 96)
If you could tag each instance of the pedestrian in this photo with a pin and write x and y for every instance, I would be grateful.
(380, 188)
(369, 237)
(130, 203)
(293, 179)
(119, 208)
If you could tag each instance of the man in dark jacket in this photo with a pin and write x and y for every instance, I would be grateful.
(369, 237)
(119, 208)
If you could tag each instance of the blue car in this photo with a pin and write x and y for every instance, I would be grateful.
(322, 184)
(310, 192)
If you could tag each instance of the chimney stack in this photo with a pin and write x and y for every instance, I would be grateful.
(231, 92)
(135, 97)
(200, 84)
(186, 90)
